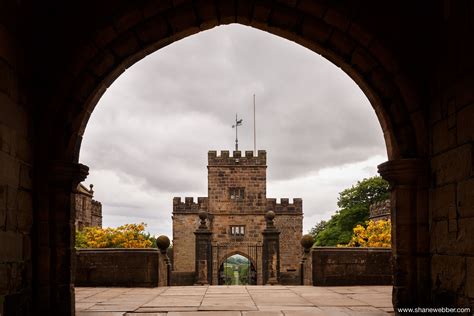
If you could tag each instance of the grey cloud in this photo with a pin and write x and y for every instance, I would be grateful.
(157, 121)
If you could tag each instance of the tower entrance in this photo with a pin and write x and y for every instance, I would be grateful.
(237, 270)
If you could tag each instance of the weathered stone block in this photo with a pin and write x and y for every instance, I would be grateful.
(465, 130)
(11, 221)
(4, 278)
(443, 137)
(11, 245)
(9, 169)
(464, 241)
(470, 278)
(448, 272)
(465, 197)
(26, 179)
(442, 200)
(453, 165)
(25, 211)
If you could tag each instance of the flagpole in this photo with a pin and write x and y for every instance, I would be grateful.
(254, 128)
(236, 139)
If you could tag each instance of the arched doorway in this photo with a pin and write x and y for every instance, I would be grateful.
(109, 47)
(237, 269)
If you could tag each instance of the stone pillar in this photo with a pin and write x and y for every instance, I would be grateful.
(54, 249)
(203, 251)
(408, 179)
(164, 265)
(271, 251)
(306, 264)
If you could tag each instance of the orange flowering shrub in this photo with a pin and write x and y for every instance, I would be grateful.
(376, 234)
(125, 236)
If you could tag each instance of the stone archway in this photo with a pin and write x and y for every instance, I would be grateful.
(340, 33)
(252, 267)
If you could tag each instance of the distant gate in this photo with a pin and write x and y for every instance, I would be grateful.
(253, 252)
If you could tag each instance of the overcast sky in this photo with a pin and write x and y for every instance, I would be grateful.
(148, 138)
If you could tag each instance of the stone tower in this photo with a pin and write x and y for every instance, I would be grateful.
(236, 205)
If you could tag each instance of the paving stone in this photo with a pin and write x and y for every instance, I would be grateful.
(80, 306)
(175, 301)
(289, 308)
(184, 291)
(262, 313)
(99, 313)
(146, 314)
(280, 299)
(114, 307)
(166, 309)
(376, 300)
(219, 313)
(237, 300)
(306, 313)
(353, 289)
(335, 300)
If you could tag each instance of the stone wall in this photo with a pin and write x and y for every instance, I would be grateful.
(184, 225)
(117, 267)
(182, 278)
(88, 211)
(351, 266)
(16, 170)
(291, 231)
(380, 210)
(225, 172)
(451, 118)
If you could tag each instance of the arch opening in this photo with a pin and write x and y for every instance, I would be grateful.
(373, 69)
(237, 269)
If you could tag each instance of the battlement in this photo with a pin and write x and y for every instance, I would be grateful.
(189, 206)
(224, 159)
(285, 206)
(380, 210)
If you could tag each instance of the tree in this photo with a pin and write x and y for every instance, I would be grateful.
(353, 204)
(318, 228)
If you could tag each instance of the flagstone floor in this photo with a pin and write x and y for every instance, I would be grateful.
(234, 301)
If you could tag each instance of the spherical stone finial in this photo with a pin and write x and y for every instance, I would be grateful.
(270, 215)
(307, 241)
(202, 215)
(163, 242)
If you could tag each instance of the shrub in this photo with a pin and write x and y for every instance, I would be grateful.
(125, 236)
(376, 234)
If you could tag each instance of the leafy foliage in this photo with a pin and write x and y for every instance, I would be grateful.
(376, 234)
(125, 236)
(353, 204)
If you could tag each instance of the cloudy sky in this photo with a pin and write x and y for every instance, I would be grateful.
(148, 138)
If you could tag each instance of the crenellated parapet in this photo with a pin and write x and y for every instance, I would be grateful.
(237, 159)
(285, 206)
(380, 210)
(189, 205)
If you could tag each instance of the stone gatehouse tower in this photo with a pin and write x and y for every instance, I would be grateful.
(236, 207)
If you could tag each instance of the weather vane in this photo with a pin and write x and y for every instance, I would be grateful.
(237, 124)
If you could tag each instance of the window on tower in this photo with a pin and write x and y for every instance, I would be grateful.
(237, 230)
(236, 193)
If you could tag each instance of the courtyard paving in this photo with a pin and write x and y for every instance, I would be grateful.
(234, 301)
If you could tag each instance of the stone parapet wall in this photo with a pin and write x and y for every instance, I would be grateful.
(291, 231)
(117, 267)
(285, 206)
(189, 206)
(184, 226)
(237, 159)
(182, 278)
(351, 266)
(96, 213)
(380, 210)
